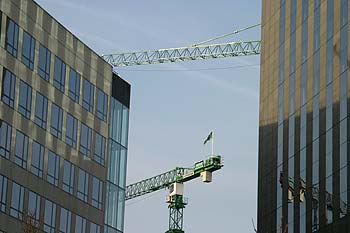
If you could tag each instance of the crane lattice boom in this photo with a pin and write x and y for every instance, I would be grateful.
(177, 175)
(196, 52)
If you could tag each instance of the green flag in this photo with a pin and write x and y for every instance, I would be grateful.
(210, 136)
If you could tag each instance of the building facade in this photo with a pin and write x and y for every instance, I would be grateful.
(304, 117)
(63, 128)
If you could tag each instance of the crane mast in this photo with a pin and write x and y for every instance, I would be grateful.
(174, 180)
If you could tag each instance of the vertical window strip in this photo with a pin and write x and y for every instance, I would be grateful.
(44, 62)
(5, 139)
(343, 161)
(53, 168)
(28, 50)
(38, 151)
(21, 149)
(12, 37)
(16, 209)
(279, 218)
(315, 135)
(8, 88)
(3, 192)
(329, 205)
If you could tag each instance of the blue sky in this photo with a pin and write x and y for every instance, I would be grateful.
(174, 106)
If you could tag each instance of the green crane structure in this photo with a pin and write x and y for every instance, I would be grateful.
(174, 180)
(198, 51)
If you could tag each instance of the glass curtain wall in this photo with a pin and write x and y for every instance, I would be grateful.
(279, 182)
(303, 117)
(316, 118)
(329, 204)
(116, 171)
(291, 128)
(343, 53)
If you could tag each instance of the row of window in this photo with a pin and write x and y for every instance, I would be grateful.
(33, 208)
(53, 166)
(59, 74)
(41, 114)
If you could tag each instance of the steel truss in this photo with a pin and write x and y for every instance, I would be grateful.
(196, 52)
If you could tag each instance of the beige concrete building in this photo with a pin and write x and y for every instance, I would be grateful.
(63, 127)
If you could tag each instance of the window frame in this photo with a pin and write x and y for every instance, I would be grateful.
(40, 115)
(3, 192)
(97, 200)
(74, 85)
(68, 186)
(100, 149)
(50, 222)
(25, 105)
(102, 113)
(85, 145)
(56, 130)
(83, 183)
(88, 96)
(44, 72)
(28, 59)
(38, 170)
(59, 76)
(5, 142)
(11, 42)
(71, 140)
(8, 96)
(16, 210)
(21, 151)
(53, 176)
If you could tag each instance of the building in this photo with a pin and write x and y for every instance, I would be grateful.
(63, 128)
(304, 117)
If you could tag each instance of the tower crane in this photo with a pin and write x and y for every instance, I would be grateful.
(198, 51)
(174, 180)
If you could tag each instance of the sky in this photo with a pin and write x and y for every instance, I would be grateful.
(175, 106)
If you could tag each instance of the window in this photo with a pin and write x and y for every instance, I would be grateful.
(8, 88)
(74, 85)
(59, 77)
(96, 199)
(88, 96)
(56, 121)
(53, 168)
(100, 149)
(34, 206)
(68, 177)
(25, 99)
(28, 48)
(71, 131)
(21, 149)
(16, 209)
(40, 117)
(12, 37)
(80, 224)
(94, 228)
(5, 139)
(83, 185)
(38, 151)
(49, 217)
(65, 220)
(3, 192)
(102, 103)
(85, 140)
(44, 62)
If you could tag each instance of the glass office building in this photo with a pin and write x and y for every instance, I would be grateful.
(63, 128)
(304, 117)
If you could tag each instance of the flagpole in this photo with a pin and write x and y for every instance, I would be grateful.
(212, 144)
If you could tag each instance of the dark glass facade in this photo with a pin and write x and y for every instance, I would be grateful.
(303, 125)
(64, 119)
